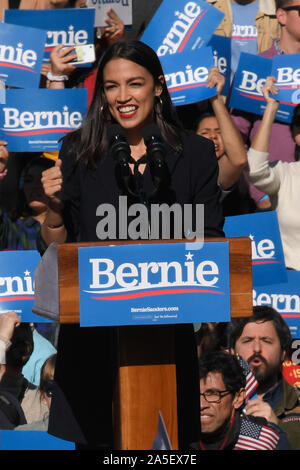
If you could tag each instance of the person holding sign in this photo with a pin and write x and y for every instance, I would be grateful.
(131, 92)
(220, 128)
(63, 72)
(280, 180)
(282, 145)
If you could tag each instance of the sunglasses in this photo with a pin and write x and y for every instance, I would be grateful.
(295, 7)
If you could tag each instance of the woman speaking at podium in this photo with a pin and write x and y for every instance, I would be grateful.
(96, 167)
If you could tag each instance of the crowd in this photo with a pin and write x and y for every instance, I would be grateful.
(233, 162)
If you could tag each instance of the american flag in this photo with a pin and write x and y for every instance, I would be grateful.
(251, 382)
(254, 436)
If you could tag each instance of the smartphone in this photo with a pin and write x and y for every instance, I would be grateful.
(85, 54)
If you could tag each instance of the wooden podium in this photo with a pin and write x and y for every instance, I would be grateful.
(147, 372)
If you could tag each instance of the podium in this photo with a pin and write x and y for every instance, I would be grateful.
(146, 383)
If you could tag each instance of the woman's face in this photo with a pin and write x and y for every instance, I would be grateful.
(130, 92)
(209, 128)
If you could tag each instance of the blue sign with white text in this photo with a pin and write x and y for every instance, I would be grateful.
(17, 283)
(181, 25)
(160, 283)
(68, 26)
(268, 266)
(32, 440)
(286, 69)
(285, 298)
(251, 75)
(186, 76)
(35, 121)
(21, 59)
(221, 48)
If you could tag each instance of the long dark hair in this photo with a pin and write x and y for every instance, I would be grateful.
(90, 141)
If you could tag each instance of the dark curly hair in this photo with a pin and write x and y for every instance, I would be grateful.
(227, 364)
(263, 314)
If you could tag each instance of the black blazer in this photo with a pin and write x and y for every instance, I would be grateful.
(190, 178)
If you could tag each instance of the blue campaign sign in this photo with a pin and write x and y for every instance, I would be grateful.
(268, 264)
(21, 59)
(283, 297)
(246, 92)
(35, 121)
(250, 76)
(181, 25)
(17, 283)
(286, 69)
(32, 440)
(68, 26)
(186, 76)
(221, 49)
(161, 283)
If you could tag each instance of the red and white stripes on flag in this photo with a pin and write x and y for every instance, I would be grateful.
(251, 382)
(256, 437)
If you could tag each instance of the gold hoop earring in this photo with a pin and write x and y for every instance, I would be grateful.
(158, 104)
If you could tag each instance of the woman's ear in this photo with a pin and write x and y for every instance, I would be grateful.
(159, 85)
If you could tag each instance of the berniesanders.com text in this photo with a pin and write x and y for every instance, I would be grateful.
(154, 309)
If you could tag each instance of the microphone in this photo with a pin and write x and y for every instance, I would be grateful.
(155, 145)
(118, 145)
(120, 151)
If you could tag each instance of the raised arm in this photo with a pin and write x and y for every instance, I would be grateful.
(261, 140)
(261, 174)
(233, 161)
(53, 229)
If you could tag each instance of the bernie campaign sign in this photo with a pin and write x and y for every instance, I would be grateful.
(17, 283)
(153, 284)
(283, 297)
(32, 440)
(268, 266)
(35, 121)
(123, 9)
(251, 75)
(21, 55)
(287, 71)
(68, 26)
(221, 49)
(188, 83)
(179, 26)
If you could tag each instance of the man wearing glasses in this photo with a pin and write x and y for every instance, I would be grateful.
(222, 396)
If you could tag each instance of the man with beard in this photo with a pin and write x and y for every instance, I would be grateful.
(264, 340)
(224, 426)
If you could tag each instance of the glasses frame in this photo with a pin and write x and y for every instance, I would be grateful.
(221, 393)
(292, 7)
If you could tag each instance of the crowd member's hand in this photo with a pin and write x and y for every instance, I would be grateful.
(115, 29)
(268, 89)
(45, 69)
(215, 78)
(258, 407)
(60, 58)
(52, 181)
(8, 322)
(4, 154)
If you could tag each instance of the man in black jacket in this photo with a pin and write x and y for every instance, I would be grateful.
(223, 424)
